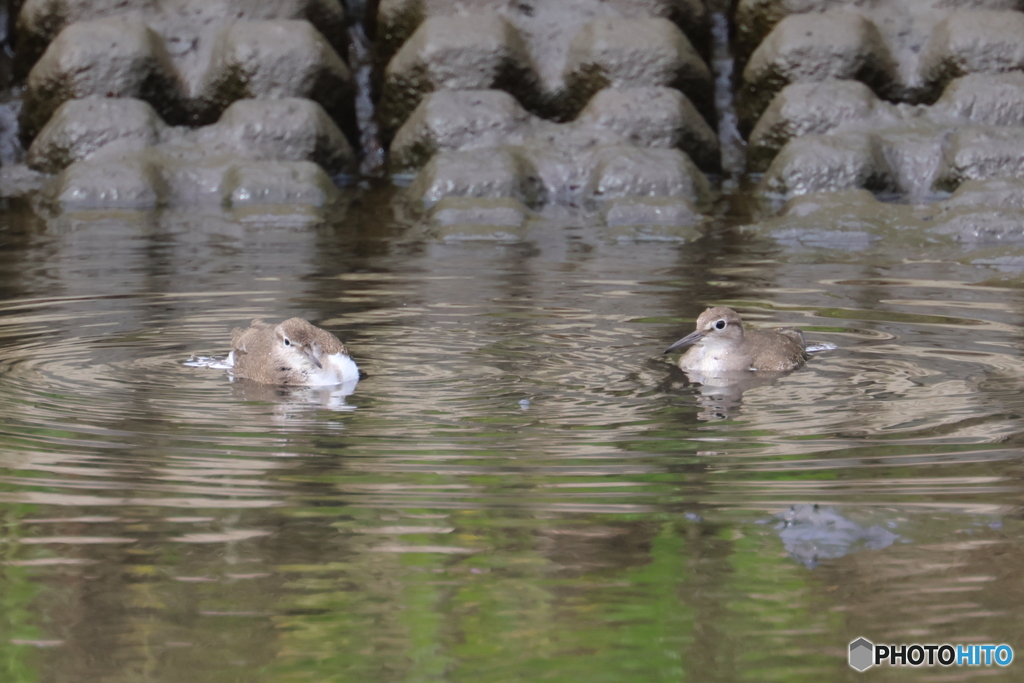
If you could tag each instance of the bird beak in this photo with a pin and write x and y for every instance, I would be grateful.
(691, 338)
(311, 354)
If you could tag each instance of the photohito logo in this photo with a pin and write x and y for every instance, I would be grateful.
(864, 654)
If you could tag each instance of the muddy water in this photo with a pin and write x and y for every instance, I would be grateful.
(522, 488)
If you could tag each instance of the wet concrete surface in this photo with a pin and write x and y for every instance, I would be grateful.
(616, 110)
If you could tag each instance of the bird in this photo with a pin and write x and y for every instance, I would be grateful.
(721, 345)
(292, 353)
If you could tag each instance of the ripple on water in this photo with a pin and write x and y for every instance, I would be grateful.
(519, 441)
(99, 416)
(108, 415)
(918, 413)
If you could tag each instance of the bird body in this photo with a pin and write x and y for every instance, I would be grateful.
(292, 353)
(722, 345)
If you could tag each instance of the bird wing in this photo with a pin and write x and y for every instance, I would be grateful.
(775, 357)
(239, 337)
(793, 333)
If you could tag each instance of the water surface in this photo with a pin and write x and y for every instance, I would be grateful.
(522, 488)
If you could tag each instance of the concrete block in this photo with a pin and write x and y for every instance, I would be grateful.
(829, 163)
(133, 183)
(40, 21)
(114, 57)
(971, 42)
(622, 52)
(996, 193)
(186, 25)
(626, 171)
(457, 119)
(545, 24)
(914, 154)
(264, 183)
(193, 180)
(488, 173)
(564, 162)
(394, 23)
(654, 117)
(276, 59)
(813, 48)
(561, 159)
(972, 132)
(755, 19)
(981, 227)
(81, 127)
(811, 109)
(987, 99)
(287, 129)
(118, 81)
(471, 52)
(982, 153)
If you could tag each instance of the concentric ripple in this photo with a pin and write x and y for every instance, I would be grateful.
(521, 474)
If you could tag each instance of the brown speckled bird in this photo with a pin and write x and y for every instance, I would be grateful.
(293, 353)
(721, 345)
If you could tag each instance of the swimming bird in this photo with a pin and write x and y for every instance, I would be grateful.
(292, 353)
(721, 345)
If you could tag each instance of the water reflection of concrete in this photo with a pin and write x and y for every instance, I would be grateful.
(576, 551)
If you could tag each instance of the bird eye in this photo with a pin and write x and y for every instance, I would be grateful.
(720, 325)
(287, 341)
